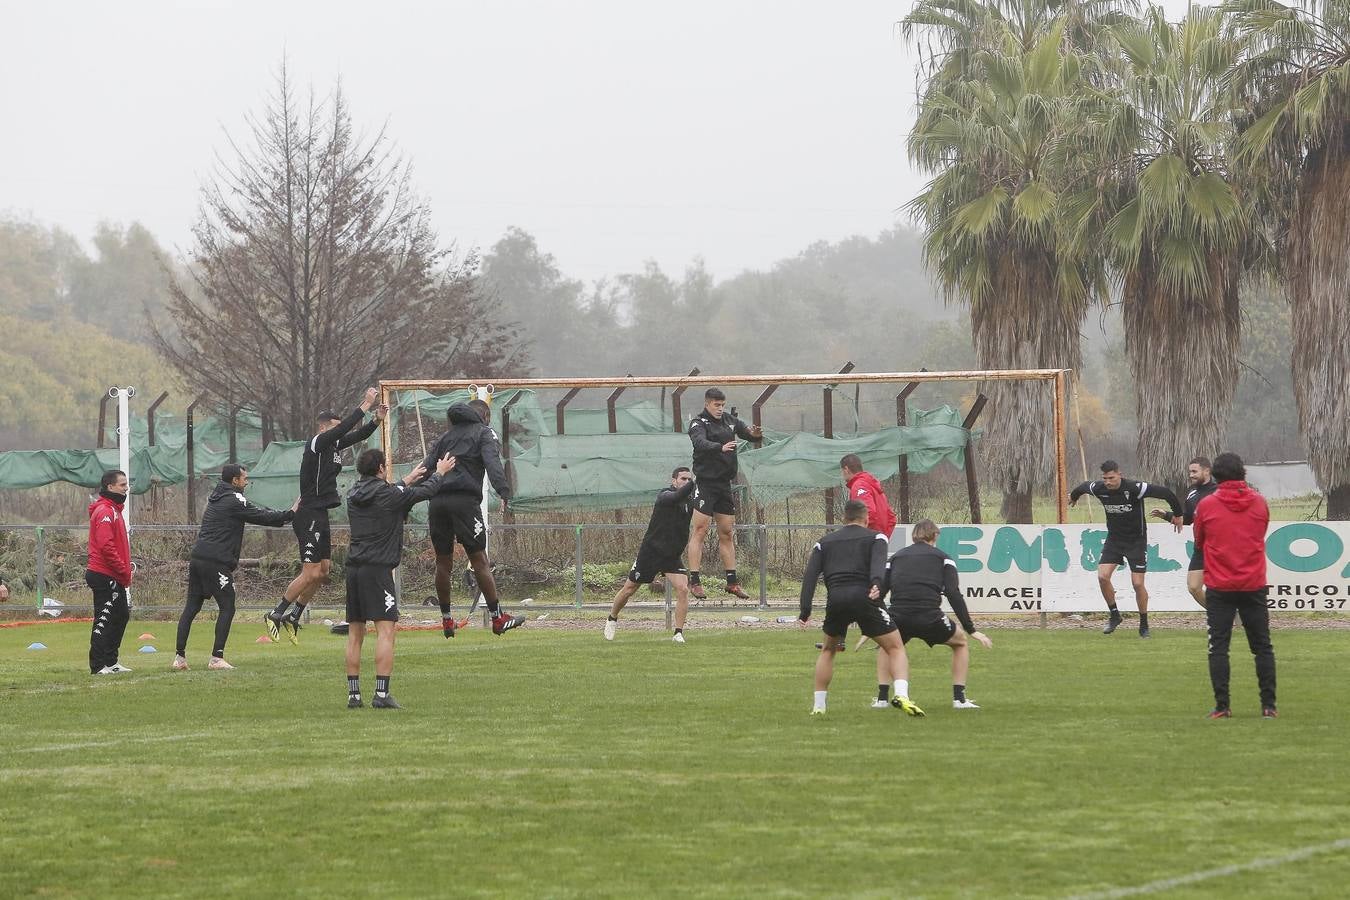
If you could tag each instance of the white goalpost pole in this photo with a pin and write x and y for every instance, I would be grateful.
(123, 397)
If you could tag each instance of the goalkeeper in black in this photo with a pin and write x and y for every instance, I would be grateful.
(1126, 534)
(667, 534)
(713, 434)
(853, 563)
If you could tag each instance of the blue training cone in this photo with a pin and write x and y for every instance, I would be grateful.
(37, 645)
(147, 649)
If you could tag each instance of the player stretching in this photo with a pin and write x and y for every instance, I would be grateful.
(1126, 534)
(853, 561)
(1202, 485)
(455, 512)
(713, 433)
(667, 534)
(319, 469)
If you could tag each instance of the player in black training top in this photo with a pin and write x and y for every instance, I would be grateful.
(1126, 534)
(918, 577)
(666, 537)
(1202, 485)
(319, 469)
(713, 433)
(853, 562)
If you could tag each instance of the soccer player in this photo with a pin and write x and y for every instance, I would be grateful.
(1202, 485)
(1126, 535)
(1230, 530)
(667, 534)
(319, 469)
(919, 576)
(215, 556)
(853, 562)
(108, 573)
(713, 433)
(376, 510)
(455, 512)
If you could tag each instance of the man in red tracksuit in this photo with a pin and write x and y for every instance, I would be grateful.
(109, 573)
(866, 489)
(1230, 532)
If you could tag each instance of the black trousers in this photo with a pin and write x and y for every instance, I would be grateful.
(213, 580)
(1251, 606)
(111, 613)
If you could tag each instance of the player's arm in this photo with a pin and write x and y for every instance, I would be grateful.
(878, 566)
(951, 589)
(748, 432)
(104, 542)
(357, 435)
(1198, 530)
(419, 486)
(329, 439)
(1079, 491)
(671, 496)
(809, 579)
(492, 463)
(1164, 493)
(262, 515)
(698, 436)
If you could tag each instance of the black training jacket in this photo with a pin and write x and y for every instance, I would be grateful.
(852, 559)
(708, 435)
(918, 577)
(376, 510)
(221, 533)
(322, 460)
(1193, 498)
(1125, 505)
(476, 450)
(668, 531)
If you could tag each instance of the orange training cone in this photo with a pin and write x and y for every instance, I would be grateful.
(146, 637)
(263, 639)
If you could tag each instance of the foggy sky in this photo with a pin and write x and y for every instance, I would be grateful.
(614, 132)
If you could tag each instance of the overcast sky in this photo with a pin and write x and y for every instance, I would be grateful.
(615, 132)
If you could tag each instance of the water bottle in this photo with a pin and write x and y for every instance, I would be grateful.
(784, 620)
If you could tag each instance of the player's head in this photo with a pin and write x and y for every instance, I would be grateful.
(1229, 467)
(370, 464)
(855, 512)
(114, 481)
(850, 465)
(714, 401)
(234, 475)
(681, 476)
(1198, 470)
(925, 532)
(1111, 474)
(326, 420)
(484, 411)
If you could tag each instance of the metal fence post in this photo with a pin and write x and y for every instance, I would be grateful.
(763, 566)
(578, 565)
(40, 567)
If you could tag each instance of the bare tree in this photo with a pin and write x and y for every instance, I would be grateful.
(315, 272)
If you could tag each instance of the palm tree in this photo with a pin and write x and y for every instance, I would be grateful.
(1298, 138)
(991, 127)
(1180, 230)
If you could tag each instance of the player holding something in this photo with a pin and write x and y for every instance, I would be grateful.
(1202, 485)
(667, 534)
(713, 433)
(1126, 534)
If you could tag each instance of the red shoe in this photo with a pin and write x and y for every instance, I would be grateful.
(448, 626)
(734, 589)
(504, 623)
(1220, 714)
(696, 591)
(1269, 713)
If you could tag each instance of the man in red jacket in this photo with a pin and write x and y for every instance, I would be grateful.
(1230, 533)
(109, 573)
(865, 488)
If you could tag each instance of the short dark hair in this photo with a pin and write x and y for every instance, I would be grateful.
(1228, 467)
(851, 462)
(327, 416)
(1110, 466)
(714, 394)
(480, 406)
(369, 462)
(678, 470)
(855, 511)
(924, 530)
(110, 478)
(1201, 461)
(231, 471)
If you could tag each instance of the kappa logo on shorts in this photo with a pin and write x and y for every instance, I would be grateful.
(636, 574)
(477, 527)
(388, 601)
(224, 579)
(885, 616)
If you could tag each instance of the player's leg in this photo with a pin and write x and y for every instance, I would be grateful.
(698, 533)
(824, 672)
(117, 625)
(196, 596)
(876, 622)
(960, 645)
(306, 527)
(1104, 572)
(679, 583)
(726, 545)
(318, 562)
(626, 591)
(378, 600)
(1256, 622)
(225, 599)
(356, 635)
(385, 632)
(1219, 617)
(101, 586)
(1195, 585)
(1140, 596)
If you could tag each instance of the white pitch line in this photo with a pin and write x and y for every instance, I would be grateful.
(1167, 884)
(86, 745)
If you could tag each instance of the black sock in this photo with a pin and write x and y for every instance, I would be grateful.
(731, 576)
(883, 692)
(693, 577)
(281, 607)
(494, 610)
(218, 654)
(446, 612)
(1143, 620)
(298, 611)
(679, 631)
(1111, 607)
(354, 685)
(181, 651)
(381, 685)
(616, 618)
(958, 692)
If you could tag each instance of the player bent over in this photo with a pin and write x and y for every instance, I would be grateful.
(1126, 535)
(713, 434)
(853, 561)
(376, 510)
(919, 576)
(667, 534)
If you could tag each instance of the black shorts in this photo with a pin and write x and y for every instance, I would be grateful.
(370, 594)
(1134, 553)
(714, 497)
(209, 579)
(651, 562)
(872, 619)
(1197, 561)
(456, 517)
(932, 630)
(313, 536)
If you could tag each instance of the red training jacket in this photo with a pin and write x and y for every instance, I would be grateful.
(1230, 529)
(867, 489)
(109, 546)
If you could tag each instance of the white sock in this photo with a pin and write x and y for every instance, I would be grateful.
(820, 699)
(902, 688)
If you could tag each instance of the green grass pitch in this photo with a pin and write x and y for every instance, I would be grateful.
(547, 762)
